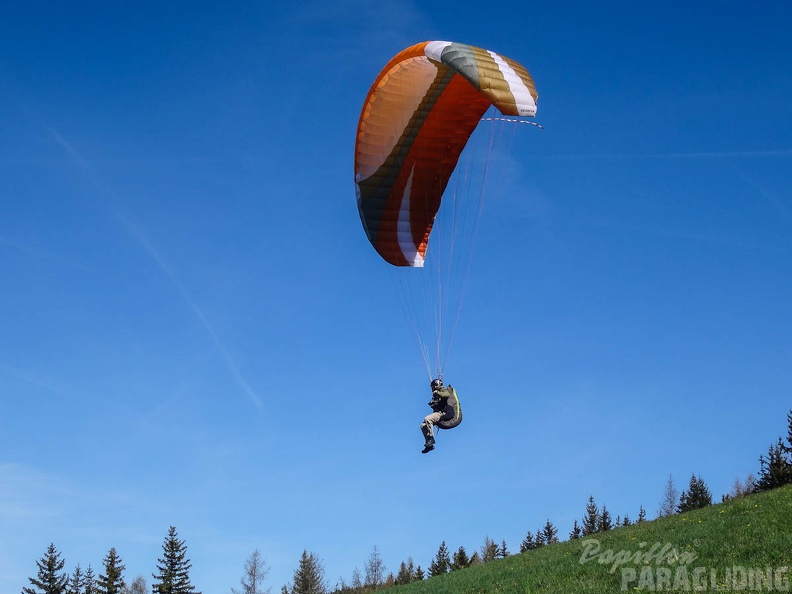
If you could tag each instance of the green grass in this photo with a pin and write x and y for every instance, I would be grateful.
(727, 540)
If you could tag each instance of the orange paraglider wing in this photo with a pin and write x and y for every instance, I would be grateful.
(415, 122)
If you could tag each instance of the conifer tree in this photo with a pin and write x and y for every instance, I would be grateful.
(76, 581)
(787, 447)
(591, 519)
(503, 552)
(489, 550)
(550, 533)
(441, 563)
(89, 583)
(419, 575)
(404, 576)
(696, 496)
(669, 501)
(309, 576)
(604, 522)
(112, 580)
(626, 521)
(410, 569)
(577, 532)
(775, 470)
(50, 578)
(539, 539)
(789, 432)
(641, 515)
(528, 543)
(173, 568)
(461, 559)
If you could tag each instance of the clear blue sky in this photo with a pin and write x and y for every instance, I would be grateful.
(194, 330)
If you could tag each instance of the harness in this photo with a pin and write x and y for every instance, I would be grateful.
(453, 411)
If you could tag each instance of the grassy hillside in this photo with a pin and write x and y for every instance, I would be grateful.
(731, 546)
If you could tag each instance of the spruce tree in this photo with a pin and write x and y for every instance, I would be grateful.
(419, 575)
(411, 569)
(50, 578)
(604, 522)
(696, 496)
(76, 581)
(576, 531)
(788, 445)
(591, 519)
(89, 582)
(641, 515)
(112, 580)
(626, 521)
(404, 576)
(461, 559)
(550, 533)
(503, 552)
(309, 576)
(173, 568)
(528, 543)
(441, 563)
(775, 470)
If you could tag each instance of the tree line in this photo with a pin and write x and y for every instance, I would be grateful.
(172, 569)
(172, 576)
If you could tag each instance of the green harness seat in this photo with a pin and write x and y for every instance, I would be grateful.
(453, 411)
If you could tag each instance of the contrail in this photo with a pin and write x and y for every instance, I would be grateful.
(29, 378)
(774, 201)
(37, 253)
(140, 237)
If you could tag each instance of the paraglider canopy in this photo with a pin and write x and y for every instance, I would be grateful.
(415, 122)
(431, 128)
